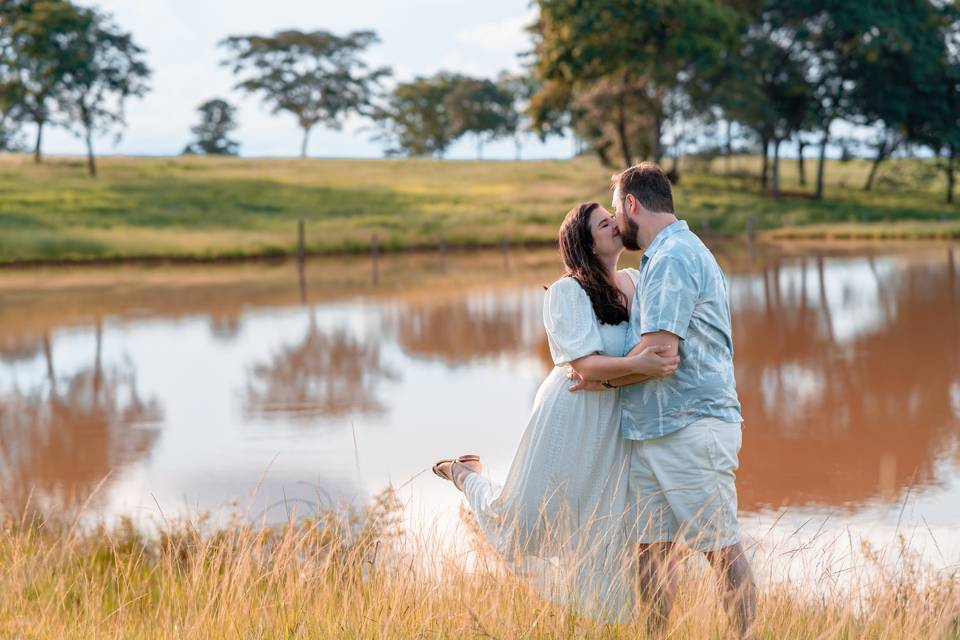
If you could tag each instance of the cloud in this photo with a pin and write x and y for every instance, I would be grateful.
(508, 34)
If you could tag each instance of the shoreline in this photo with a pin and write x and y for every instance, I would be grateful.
(834, 235)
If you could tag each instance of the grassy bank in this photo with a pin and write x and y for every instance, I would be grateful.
(205, 208)
(338, 577)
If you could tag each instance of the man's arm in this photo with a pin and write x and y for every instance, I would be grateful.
(664, 339)
(651, 361)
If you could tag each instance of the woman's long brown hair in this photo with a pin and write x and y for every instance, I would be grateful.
(583, 265)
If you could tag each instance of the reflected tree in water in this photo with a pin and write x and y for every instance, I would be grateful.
(841, 422)
(331, 374)
(225, 324)
(463, 331)
(60, 439)
(16, 348)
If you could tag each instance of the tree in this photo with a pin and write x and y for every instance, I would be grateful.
(217, 120)
(763, 87)
(40, 35)
(416, 119)
(838, 47)
(482, 108)
(609, 114)
(316, 76)
(11, 118)
(11, 111)
(939, 128)
(908, 47)
(653, 48)
(105, 68)
(521, 87)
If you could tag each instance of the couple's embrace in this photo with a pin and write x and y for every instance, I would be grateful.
(636, 459)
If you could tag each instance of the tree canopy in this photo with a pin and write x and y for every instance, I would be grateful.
(106, 67)
(316, 76)
(218, 118)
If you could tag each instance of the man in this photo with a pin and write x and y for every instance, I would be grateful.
(686, 428)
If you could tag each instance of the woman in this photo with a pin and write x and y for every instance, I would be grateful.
(563, 519)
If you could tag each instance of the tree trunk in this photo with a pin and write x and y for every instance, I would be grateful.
(518, 146)
(764, 144)
(883, 152)
(604, 157)
(873, 168)
(776, 168)
(950, 173)
(801, 145)
(36, 149)
(622, 131)
(91, 163)
(479, 147)
(821, 165)
(303, 144)
(729, 150)
(657, 134)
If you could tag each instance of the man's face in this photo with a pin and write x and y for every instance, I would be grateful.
(628, 226)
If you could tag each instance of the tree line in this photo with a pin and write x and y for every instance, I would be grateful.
(68, 66)
(630, 79)
(641, 78)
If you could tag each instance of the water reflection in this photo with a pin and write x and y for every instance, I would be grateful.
(468, 328)
(60, 439)
(326, 375)
(841, 421)
(848, 369)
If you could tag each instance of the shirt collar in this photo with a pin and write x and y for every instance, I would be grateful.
(669, 230)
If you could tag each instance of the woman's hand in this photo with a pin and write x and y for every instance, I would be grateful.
(651, 361)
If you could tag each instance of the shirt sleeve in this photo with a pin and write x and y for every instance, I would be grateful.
(570, 321)
(669, 296)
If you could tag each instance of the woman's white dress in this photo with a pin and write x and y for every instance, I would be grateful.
(563, 520)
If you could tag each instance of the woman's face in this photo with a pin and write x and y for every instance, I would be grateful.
(606, 233)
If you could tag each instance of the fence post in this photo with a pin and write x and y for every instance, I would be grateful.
(506, 252)
(375, 257)
(301, 241)
(443, 253)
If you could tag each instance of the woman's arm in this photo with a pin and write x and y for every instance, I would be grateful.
(666, 345)
(648, 362)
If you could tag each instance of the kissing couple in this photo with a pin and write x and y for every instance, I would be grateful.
(629, 456)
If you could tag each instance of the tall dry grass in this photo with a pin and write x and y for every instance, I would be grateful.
(351, 576)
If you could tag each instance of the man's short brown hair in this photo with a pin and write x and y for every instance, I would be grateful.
(648, 184)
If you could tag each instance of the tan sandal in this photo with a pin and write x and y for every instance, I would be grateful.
(452, 461)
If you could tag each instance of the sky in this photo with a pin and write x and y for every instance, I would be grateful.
(418, 37)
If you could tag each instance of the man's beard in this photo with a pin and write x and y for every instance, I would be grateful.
(629, 236)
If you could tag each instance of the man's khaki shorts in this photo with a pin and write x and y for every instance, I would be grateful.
(683, 485)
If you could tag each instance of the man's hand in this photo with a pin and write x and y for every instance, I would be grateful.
(580, 384)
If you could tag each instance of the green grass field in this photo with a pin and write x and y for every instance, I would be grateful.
(207, 208)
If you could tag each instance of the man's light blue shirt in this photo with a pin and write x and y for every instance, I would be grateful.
(682, 290)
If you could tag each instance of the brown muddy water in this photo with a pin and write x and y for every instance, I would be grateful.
(159, 391)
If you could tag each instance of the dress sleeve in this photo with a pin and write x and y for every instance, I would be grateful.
(570, 322)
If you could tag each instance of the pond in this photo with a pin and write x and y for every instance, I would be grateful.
(176, 390)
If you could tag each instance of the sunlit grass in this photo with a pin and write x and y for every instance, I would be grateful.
(229, 207)
(351, 576)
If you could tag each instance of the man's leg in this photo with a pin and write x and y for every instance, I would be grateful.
(658, 566)
(739, 588)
